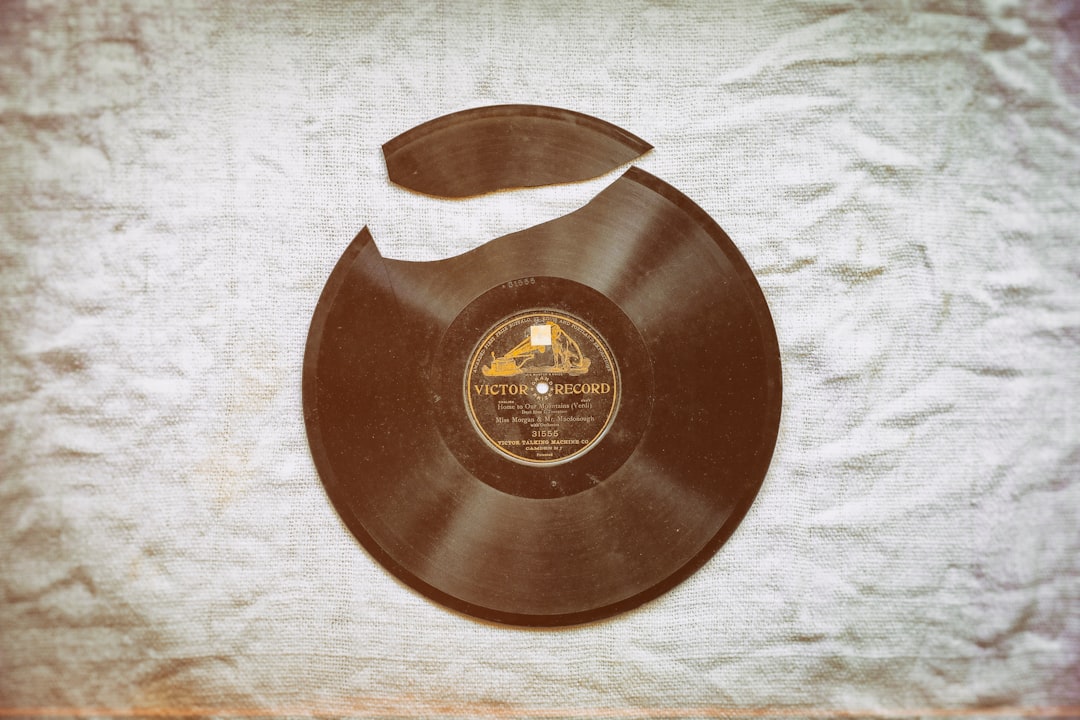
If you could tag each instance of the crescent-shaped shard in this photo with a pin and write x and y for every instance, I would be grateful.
(502, 147)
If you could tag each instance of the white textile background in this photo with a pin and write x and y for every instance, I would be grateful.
(178, 178)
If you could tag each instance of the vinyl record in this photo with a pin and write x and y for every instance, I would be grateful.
(557, 426)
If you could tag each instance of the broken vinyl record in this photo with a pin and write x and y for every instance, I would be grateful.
(557, 426)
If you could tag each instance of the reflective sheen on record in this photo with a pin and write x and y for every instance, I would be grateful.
(557, 426)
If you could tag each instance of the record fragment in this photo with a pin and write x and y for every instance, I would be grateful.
(507, 146)
(557, 426)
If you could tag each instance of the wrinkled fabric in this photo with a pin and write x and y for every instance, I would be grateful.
(177, 180)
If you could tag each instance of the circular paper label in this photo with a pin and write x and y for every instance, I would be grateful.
(541, 387)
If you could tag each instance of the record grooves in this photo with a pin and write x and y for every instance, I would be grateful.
(557, 426)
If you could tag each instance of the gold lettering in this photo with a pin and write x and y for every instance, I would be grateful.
(580, 388)
(556, 389)
(501, 389)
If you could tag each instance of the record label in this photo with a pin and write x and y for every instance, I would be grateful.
(541, 387)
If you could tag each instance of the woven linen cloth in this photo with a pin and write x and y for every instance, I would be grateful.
(177, 180)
